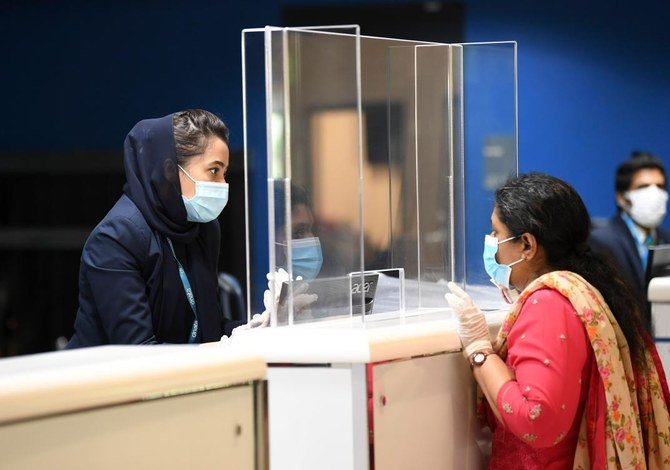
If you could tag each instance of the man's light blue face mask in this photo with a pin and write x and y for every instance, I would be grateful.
(209, 200)
(500, 273)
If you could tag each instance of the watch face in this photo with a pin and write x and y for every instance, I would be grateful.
(478, 358)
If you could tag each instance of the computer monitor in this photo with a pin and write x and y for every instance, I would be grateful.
(335, 296)
(658, 262)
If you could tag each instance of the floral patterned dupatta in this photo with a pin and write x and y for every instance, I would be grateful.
(630, 428)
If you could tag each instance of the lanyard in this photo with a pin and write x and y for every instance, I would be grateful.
(193, 338)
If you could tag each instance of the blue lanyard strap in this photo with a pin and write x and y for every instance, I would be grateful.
(193, 338)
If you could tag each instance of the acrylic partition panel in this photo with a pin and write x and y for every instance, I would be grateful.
(425, 78)
(255, 164)
(434, 114)
(489, 90)
(312, 118)
(409, 141)
(365, 183)
(390, 175)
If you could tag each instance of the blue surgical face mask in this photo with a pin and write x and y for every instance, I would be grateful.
(207, 203)
(307, 257)
(500, 273)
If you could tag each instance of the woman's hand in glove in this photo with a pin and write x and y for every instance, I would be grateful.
(301, 300)
(472, 327)
(260, 320)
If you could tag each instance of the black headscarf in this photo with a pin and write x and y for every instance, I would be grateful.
(152, 183)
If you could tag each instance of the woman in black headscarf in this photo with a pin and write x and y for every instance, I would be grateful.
(149, 270)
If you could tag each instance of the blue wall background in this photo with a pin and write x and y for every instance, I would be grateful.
(594, 83)
(593, 76)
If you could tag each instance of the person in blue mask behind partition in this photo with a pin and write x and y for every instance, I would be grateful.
(149, 270)
(306, 254)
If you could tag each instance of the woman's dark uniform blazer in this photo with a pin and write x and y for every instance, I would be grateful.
(130, 291)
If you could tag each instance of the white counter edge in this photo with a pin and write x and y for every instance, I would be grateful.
(340, 342)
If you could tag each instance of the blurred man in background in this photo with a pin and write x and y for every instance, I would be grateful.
(641, 199)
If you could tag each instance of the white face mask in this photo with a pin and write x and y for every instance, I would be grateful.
(648, 205)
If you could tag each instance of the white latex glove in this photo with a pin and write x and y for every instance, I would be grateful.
(301, 300)
(472, 327)
(258, 320)
(261, 320)
(278, 278)
(225, 341)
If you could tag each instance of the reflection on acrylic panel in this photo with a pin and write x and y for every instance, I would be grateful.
(382, 154)
(335, 140)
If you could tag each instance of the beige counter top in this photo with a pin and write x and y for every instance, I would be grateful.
(65, 381)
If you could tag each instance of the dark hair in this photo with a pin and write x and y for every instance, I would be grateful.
(192, 130)
(552, 211)
(637, 161)
(299, 195)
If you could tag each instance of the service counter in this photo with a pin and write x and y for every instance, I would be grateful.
(659, 298)
(133, 407)
(388, 394)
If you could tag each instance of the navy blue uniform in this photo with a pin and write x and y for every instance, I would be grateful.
(130, 291)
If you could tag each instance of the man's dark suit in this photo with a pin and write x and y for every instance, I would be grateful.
(614, 240)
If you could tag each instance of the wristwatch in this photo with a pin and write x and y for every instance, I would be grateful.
(478, 358)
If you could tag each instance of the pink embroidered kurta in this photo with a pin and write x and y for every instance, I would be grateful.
(550, 355)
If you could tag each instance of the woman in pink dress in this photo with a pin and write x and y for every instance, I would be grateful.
(573, 379)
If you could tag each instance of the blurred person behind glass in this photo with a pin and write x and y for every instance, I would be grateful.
(306, 254)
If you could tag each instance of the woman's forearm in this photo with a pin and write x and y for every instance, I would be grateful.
(491, 376)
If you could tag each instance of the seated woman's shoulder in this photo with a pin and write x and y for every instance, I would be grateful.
(548, 295)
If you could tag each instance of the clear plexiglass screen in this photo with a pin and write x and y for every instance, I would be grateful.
(370, 169)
